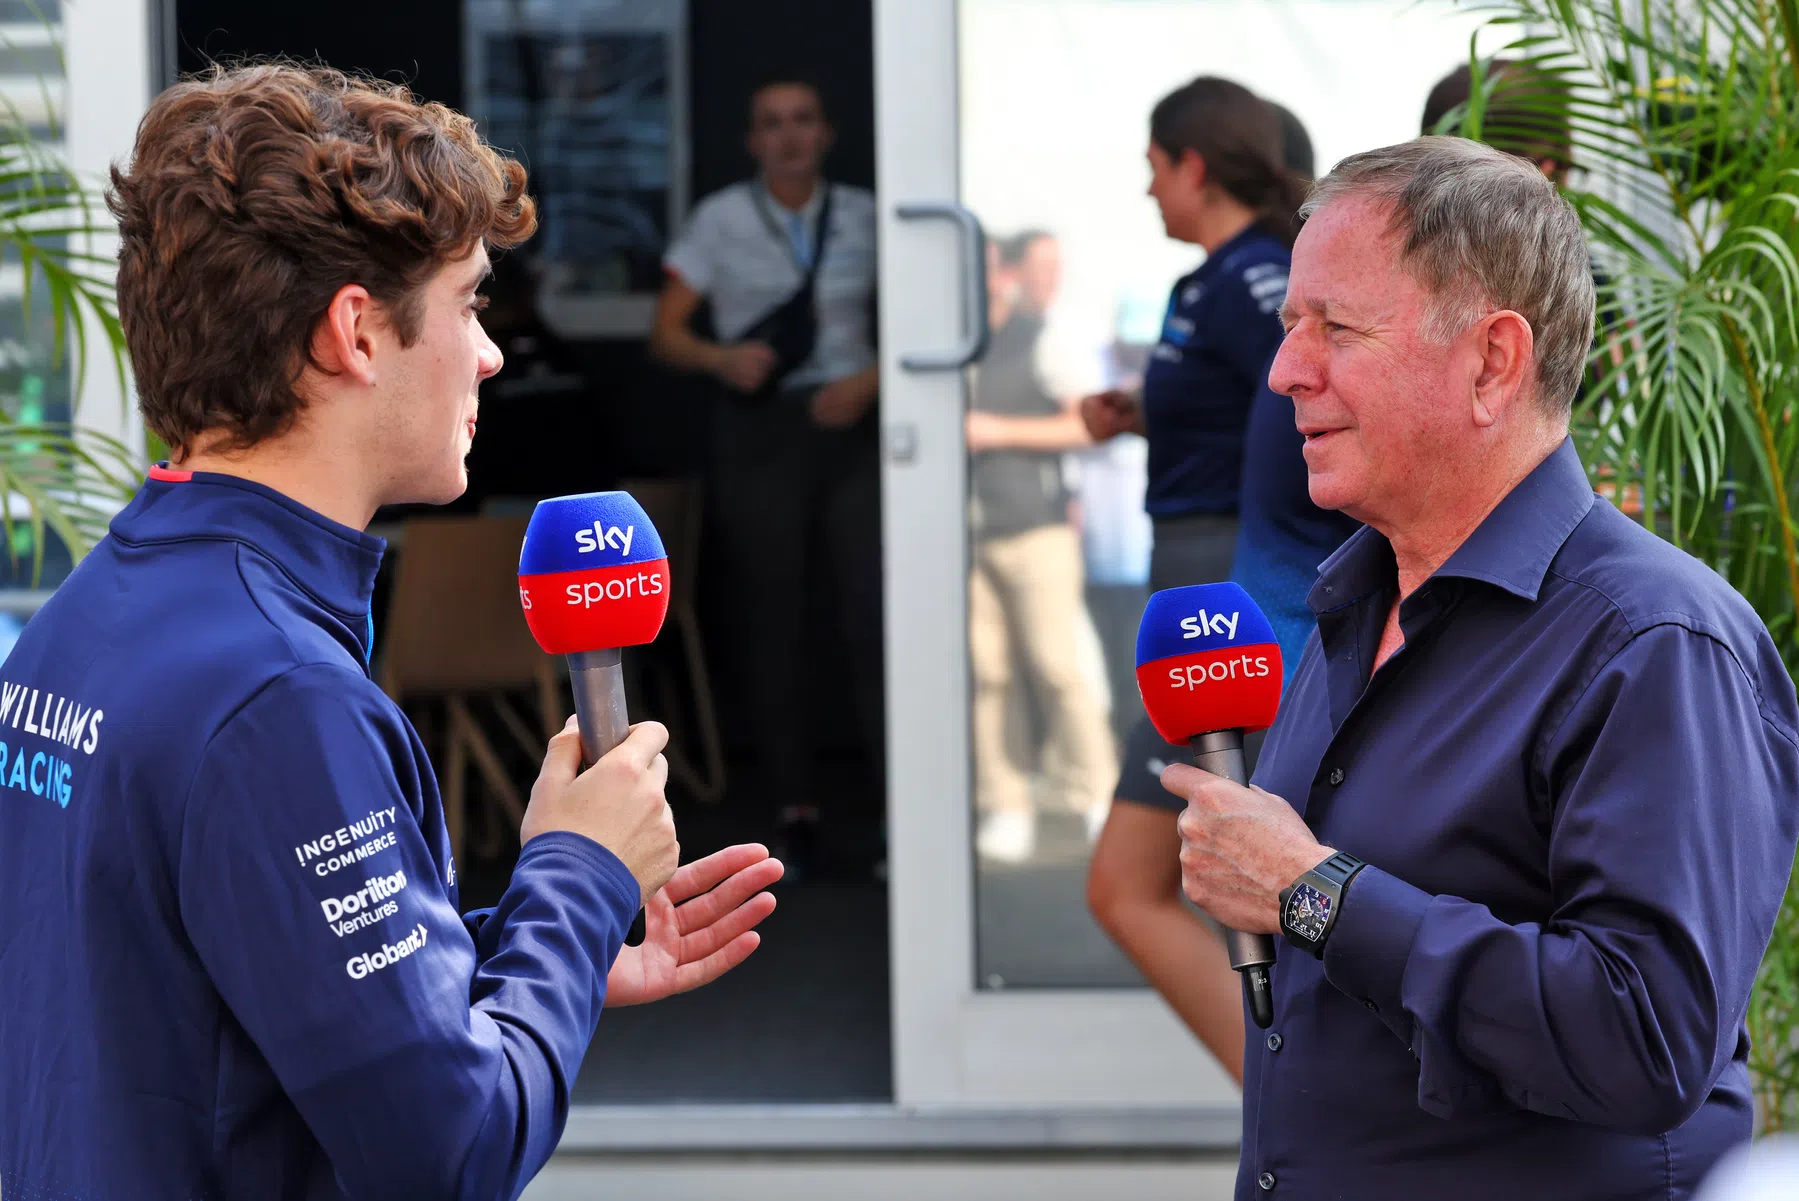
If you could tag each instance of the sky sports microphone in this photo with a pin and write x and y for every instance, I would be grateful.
(1209, 670)
(593, 578)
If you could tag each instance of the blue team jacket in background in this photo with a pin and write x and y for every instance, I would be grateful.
(1222, 327)
(234, 966)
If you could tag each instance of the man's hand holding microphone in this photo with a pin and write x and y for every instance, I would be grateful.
(593, 577)
(1209, 669)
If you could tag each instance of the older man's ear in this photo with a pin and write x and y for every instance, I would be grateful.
(1506, 375)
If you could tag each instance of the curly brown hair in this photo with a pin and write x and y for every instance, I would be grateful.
(255, 193)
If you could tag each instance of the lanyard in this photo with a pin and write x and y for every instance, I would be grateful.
(807, 267)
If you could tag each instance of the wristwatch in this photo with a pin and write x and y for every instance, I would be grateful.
(1309, 905)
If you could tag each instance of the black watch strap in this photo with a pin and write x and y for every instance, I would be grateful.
(1339, 868)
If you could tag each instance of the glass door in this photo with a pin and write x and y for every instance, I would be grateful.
(1022, 266)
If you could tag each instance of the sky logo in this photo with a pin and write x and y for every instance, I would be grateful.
(1207, 660)
(601, 536)
(574, 601)
(1215, 624)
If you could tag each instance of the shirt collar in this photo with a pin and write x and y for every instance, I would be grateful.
(1511, 549)
(807, 211)
(332, 562)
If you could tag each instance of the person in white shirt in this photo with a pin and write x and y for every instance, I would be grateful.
(786, 262)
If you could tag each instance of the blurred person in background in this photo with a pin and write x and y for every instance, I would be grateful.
(1526, 113)
(1220, 178)
(1025, 603)
(1282, 536)
(787, 263)
(1217, 175)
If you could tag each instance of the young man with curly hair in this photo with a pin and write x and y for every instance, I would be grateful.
(236, 963)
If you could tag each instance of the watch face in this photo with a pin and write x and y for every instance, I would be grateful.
(1308, 912)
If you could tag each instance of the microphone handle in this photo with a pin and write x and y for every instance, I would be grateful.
(598, 678)
(1221, 753)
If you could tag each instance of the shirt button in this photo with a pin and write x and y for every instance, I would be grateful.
(1274, 1042)
(1336, 775)
(1266, 1180)
(1372, 1007)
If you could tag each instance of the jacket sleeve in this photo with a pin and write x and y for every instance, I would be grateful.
(310, 893)
(1673, 791)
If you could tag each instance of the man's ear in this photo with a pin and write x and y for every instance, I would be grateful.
(344, 340)
(1507, 350)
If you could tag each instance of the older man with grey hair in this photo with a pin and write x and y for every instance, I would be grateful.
(1529, 809)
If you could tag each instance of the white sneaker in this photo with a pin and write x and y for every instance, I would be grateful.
(1095, 819)
(1008, 837)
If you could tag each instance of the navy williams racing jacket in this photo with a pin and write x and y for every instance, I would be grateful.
(232, 960)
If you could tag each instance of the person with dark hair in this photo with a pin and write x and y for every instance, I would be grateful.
(1525, 112)
(1296, 143)
(1218, 176)
(787, 263)
(1204, 394)
(1026, 605)
(223, 853)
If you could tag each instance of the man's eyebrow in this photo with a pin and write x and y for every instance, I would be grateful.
(1328, 308)
(486, 274)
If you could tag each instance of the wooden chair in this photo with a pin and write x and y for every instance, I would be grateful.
(675, 508)
(455, 631)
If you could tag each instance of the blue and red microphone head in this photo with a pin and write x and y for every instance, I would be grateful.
(1207, 660)
(592, 574)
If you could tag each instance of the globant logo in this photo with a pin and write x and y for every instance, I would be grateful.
(391, 953)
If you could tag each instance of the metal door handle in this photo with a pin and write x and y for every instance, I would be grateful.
(974, 286)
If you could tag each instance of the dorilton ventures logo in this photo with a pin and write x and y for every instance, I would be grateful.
(360, 966)
(364, 907)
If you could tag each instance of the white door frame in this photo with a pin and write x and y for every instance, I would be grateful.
(108, 50)
(954, 1044)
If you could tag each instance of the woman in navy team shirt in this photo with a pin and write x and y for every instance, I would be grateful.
(1216, 153)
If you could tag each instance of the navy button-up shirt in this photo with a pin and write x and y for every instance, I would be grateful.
(1576, 787)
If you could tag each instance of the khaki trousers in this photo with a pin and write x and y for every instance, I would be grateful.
(1025, 609)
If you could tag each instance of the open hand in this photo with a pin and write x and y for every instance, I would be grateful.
(1239, 848)
(698, 927)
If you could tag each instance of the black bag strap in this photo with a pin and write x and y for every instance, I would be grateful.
(821, 232)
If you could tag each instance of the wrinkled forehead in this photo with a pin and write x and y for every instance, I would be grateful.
(1350, 261)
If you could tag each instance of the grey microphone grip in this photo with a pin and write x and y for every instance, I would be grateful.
(598, 678)
(1221, 753)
